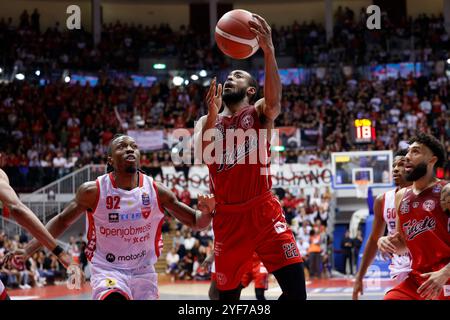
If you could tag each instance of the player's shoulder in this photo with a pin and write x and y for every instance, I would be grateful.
(4, 176)
(88, 188)
(380, 197)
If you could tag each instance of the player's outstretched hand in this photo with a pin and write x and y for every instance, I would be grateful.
(432, 288)
(214, 99)
(263, 32)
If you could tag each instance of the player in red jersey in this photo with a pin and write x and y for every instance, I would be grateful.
(248, 217)
(26, 218)
(385, 216)
(423, 224)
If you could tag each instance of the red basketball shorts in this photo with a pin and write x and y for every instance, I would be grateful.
(255, 226)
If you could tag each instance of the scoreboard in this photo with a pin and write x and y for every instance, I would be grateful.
(363, 131)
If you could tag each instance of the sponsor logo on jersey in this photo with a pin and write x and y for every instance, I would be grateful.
(247, 122)
(437, 189)
(132, 256)
(113, 217)
(429, 205)
(413, 227)
(110, 257)
(280, 227)
(146, 212)
(404, 207)
(415, 205)
(221, 278)
(110, 283)
(145, 199)
(123, 232)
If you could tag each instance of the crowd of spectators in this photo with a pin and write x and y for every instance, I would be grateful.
(47, 131)
(24, 44)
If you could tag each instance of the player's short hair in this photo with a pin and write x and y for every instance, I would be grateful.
(253, 83)
(433, 144)
(401, 153)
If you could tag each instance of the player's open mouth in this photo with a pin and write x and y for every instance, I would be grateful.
(227, 85)
(130, 158)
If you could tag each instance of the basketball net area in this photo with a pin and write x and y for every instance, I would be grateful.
(362, 178)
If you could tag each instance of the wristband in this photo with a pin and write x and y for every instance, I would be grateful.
(57, 251)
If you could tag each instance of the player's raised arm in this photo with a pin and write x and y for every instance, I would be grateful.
(26, 218)
(271, 103)
(195, 219)
(371, 248)
(85, 199)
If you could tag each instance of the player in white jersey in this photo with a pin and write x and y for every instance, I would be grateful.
(125, 211)
(384, 215)
(27, 219)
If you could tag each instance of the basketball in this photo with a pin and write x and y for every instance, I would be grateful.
(233, 35)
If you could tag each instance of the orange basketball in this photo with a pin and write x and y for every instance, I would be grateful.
(233, 35)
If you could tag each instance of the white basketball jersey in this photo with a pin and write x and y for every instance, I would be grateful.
(124, 230)
(401, 264)
(389, 214)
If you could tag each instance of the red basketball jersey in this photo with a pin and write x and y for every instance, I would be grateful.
(242, 172)
(426, 228)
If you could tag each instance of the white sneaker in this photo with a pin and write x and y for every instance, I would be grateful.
(27, 286)
(22, 287)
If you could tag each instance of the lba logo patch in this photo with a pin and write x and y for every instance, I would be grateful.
(437, 189)
(428, 205)
(145, 199)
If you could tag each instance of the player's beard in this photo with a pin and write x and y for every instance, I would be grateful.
(418, 172)
(230, 98)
